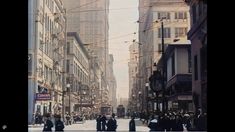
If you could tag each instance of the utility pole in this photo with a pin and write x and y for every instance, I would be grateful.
(64, 68)
(163, 69)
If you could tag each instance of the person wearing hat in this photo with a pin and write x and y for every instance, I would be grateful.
(154, 124)
(132, 124)
(98, 123)
(59, 125)
(112, 124)
(48, 123)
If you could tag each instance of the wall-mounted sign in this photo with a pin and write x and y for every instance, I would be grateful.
(43, 96)
(30, 65)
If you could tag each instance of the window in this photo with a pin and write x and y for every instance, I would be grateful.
(41, 42)
(180, 32)
(194, 10)
(200, 8)
(195, 68)
(189, 61)
(159, 47)
(164, 14)
(185, 15)
(68, 47)
(52, 6)
(45, 72)
(180, 15)
(173, 65)
(67, 66)
(167, 33)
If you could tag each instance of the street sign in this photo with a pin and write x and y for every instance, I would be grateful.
(43, 96)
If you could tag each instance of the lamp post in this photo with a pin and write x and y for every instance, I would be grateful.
(68, 87)
(140, 101)
(164, 105)
(81, 99)
(147, 101)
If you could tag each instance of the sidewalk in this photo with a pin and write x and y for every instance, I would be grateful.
(35, 126)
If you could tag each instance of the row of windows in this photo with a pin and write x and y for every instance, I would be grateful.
(77, 53)
(178, 15)
(77, 71)
(47, 73)
(50, 5)
(179, 32)
(197, 11)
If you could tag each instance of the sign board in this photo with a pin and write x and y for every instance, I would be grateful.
(43, 96)
(30, 64)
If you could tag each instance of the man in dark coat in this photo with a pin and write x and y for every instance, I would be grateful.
(179, 123)
(112, 124)
(153, 124)
(103, 122)
(98, 123)
(132, 124)
(59, 125)
(67, 117)
(47, 124)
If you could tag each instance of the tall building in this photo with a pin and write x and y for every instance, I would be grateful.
(176, 23)
(46, 49)
(78, 75)
(124, 102)
(90, 20)
(112, 84)
(198, 37)
(133, 70)
(179, 77)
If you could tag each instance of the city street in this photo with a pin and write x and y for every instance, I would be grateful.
(123, 125)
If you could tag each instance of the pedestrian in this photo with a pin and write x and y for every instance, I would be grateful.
(112, 123)
(178, 123)
(59, 125)
(201, 121)
(188, 123)
(40, 119)
(153, 124)
(132, 124)
(47, 123)
(67, 117)
(98, 123)
(37, 118)
(103, 122)
(33, 119)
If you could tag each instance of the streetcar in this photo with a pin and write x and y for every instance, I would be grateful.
(120, 111)
(106, 110)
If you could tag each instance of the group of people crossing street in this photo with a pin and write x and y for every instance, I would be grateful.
(104, 124)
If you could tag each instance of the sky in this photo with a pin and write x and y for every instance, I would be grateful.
(123, 15)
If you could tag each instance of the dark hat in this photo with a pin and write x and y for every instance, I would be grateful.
(47, 115)
(57, 116)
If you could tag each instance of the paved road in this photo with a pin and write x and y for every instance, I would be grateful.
(123, 125)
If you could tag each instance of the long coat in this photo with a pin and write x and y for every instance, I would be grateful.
(112, 125)
(47, 126)
(153, 125)
(98, 124)
(103, 121)
(59, 126)
(132, 125)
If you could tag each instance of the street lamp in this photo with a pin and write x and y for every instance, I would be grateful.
(147, 91)
(68, 87)
(164, 105)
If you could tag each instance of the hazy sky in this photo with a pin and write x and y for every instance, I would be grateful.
(123, 15)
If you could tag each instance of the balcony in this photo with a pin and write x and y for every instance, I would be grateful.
(180, 79)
